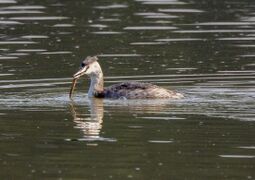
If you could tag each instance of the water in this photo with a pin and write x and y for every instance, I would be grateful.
(204, 49)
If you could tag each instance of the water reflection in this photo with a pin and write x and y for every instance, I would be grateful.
(90, 124)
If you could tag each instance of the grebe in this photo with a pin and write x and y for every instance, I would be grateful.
(126, 90)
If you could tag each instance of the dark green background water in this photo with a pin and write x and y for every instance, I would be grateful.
(204, 49)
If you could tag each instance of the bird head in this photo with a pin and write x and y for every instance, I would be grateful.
(89, 66)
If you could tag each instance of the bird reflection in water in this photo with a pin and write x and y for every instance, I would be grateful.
(90, 124)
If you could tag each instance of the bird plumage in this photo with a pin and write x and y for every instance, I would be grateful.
(128, 90)
(138, 90)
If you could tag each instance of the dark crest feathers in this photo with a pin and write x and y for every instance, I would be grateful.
(89, 60)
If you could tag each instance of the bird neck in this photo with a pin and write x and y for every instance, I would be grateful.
(96, 84)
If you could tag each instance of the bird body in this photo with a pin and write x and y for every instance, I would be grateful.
(138, 90)
(127, 90)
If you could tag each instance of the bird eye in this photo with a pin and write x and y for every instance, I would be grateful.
(83, 64)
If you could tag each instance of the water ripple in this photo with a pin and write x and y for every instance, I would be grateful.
(63, 25)
(160, 141)
(161, 2)
(223, 23)
(6, 74)
(55, 53)
(10, 22)
(39, 18)
(17, 54)
(153, 15)
(247, 147)
(107, 32)
(146, 43)
(8, 57)
(101, 26)
(226, 94)
(109, 19)
(237, 156)
(150, 28)
(215, 31)
(237, 39)
(180, 39)
(24, 7)
(20, 12)
(119, 55)
(31, 50)
(35, 37)
(7, 1)
(16, 42)
(114, 6)
(181, 10)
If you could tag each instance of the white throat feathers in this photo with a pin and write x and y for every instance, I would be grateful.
(96, 80)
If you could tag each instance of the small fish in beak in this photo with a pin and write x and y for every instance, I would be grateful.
(76, 76)
(85, 69)
(72, 88)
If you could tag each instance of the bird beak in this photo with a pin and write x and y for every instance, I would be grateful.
(76, 76)
(81, 72)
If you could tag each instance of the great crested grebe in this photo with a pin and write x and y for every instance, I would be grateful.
(126, 90)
